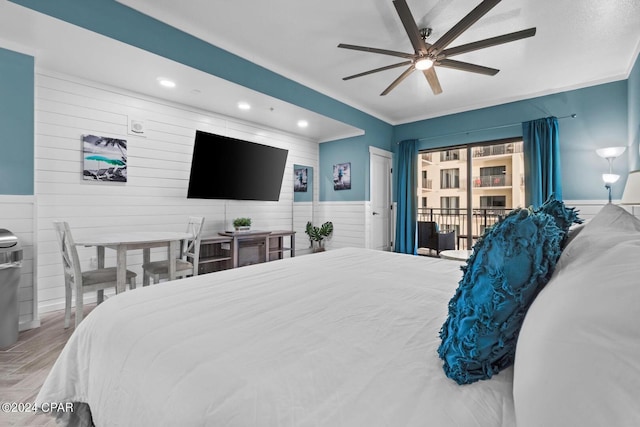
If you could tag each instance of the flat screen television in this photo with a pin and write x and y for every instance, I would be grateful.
(233, 169)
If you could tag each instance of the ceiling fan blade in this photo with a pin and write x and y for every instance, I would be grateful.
(388, 67)
(376, 50)
(432, 78)
(493, 41)
(471, 18)
(410, 26)
(397, 81)
(465, 66)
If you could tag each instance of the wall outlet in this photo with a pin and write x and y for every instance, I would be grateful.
(93, 262)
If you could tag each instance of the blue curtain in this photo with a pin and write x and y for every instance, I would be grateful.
(542, 175)
(407, 184)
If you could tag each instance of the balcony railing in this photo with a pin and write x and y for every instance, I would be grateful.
(427, 184)
(498, 150)
(492, 181)
(456, 219)
(453, 155)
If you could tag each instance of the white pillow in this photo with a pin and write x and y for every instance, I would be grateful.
(578, 354)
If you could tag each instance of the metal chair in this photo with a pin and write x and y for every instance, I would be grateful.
(79, 281)
(430, 238)
(186, 264)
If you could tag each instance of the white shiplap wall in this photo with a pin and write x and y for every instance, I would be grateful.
(349, 223)
(17, 216)
(154, 198)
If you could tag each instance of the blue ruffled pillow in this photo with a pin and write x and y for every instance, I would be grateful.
(512, 261)
(565, 217)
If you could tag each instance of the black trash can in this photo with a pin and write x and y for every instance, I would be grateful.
(10, 270)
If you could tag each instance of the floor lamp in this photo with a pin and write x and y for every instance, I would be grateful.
(610, 153)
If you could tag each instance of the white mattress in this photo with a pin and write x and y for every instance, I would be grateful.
(347, 337)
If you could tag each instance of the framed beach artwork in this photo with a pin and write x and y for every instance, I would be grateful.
(105, 159)
(300, 182)
(342, 176)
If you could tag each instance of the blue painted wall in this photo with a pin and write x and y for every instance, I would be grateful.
(16, 123)
(607, 114)
(634, 116)
(119, 22)
(601, 121)
(356, 151)
(304, 196)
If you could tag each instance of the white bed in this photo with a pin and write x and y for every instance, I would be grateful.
(346, 338)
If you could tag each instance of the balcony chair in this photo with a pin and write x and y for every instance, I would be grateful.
(83, 281)
(186, 264)
(430, 238)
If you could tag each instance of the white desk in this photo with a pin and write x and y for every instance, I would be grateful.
(122, 242)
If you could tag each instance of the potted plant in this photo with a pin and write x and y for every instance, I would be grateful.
(242, 224)
(318, 234)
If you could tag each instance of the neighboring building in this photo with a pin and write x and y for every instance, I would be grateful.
(497, 185)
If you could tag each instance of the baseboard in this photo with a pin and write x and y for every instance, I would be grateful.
(32, 324)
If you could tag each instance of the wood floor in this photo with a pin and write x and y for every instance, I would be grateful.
(25, 365)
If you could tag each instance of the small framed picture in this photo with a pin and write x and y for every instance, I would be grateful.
(300, 183)
(104, 158)
(342, 176)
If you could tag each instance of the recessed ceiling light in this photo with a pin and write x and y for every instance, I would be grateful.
(166, 82)
(303, 123)
(244, 106)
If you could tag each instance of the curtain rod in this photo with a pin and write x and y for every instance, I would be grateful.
(570, 116)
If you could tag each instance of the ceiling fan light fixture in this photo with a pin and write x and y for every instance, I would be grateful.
(424, 63)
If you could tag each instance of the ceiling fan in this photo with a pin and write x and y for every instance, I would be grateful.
(428, 56)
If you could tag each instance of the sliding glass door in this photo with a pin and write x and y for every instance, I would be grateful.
(469, 188)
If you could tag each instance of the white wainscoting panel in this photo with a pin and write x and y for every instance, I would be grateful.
(302, 212)
(587, 209)
(158, 167)
(349, 229)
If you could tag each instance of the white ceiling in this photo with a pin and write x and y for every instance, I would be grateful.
(578, 43)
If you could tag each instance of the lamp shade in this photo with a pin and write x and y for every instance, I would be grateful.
(631, 195)
(610, 178)
(610, 152)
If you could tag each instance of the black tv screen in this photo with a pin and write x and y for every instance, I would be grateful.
(233, 169)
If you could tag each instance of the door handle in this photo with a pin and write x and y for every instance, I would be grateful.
(376, 213)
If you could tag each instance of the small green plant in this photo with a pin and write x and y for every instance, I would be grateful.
(242, 222)
(318, 234)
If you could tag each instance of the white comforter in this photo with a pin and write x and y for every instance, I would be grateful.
(344, 338)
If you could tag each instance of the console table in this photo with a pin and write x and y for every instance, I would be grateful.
(232, 249)
(248, 247)
(215, 254)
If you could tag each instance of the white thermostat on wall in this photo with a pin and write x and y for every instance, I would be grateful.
(136, 127)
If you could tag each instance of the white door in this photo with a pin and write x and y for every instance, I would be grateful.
(380, 191)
